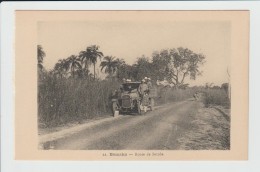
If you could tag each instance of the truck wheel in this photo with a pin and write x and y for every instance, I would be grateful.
(114, 107)
(152, 104)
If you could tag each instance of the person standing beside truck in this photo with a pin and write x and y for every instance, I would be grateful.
(149, 83)
(142, 89)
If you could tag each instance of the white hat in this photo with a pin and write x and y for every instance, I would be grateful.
(128, 80)
(145, 77)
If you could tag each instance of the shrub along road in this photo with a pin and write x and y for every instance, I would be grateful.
(173, 126)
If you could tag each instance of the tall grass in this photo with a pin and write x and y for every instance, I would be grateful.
(207, 96)
(216, 97)
(171, 95)
(65, 100)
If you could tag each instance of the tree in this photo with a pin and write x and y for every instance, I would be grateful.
(114, 66)
(143, 66)
(183, 63)
(120, 62)
(175, 65)
(85, 61)
(74, 64)
(110, 65)
(40, 56)
(209, 85)
(216, 87)
(61, 68)
(85, 58)
(225, 86)
(83, 73)
(127, 71)
(184, 86)
(160, 65)
(91, 54)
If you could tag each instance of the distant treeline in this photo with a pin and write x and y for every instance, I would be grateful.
(173, 65)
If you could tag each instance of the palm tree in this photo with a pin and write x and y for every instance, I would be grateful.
(40, 56)
(110, 65)
(85, 61)
(120, 62)
(83, 73)
(74, 64)
(91, 55)
(85, 58)
(61, 67)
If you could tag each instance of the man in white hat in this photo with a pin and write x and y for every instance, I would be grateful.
(143, 90)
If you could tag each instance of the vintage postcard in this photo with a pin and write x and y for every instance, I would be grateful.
(131, 85)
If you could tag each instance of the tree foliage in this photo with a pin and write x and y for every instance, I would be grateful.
(61, 68)
(40, 56)
(109, 64)
(74, 64)
(186, 63)
(171, 65)
(90, 56)
(142, 68)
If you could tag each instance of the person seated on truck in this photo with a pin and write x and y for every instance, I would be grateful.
(129, 88)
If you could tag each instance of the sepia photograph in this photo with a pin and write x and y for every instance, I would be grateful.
(132, 85)
(129, 86)
(117, 85)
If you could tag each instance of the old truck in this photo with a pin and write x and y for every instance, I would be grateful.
(127, 99)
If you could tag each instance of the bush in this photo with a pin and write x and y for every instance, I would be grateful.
(65, 100)
(172, 95)
(216, 97)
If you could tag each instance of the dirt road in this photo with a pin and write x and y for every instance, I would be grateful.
(163, 128)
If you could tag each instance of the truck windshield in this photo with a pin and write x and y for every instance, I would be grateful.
(130, 86)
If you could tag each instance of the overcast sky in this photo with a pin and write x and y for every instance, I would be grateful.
(129, 40)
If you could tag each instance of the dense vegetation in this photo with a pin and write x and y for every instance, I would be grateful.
(72, 92)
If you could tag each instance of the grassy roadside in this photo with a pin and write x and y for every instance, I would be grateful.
(172, 95)
(63, 101)
(210, 126)
(216, 97)
(66, 101)
(208, 130)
